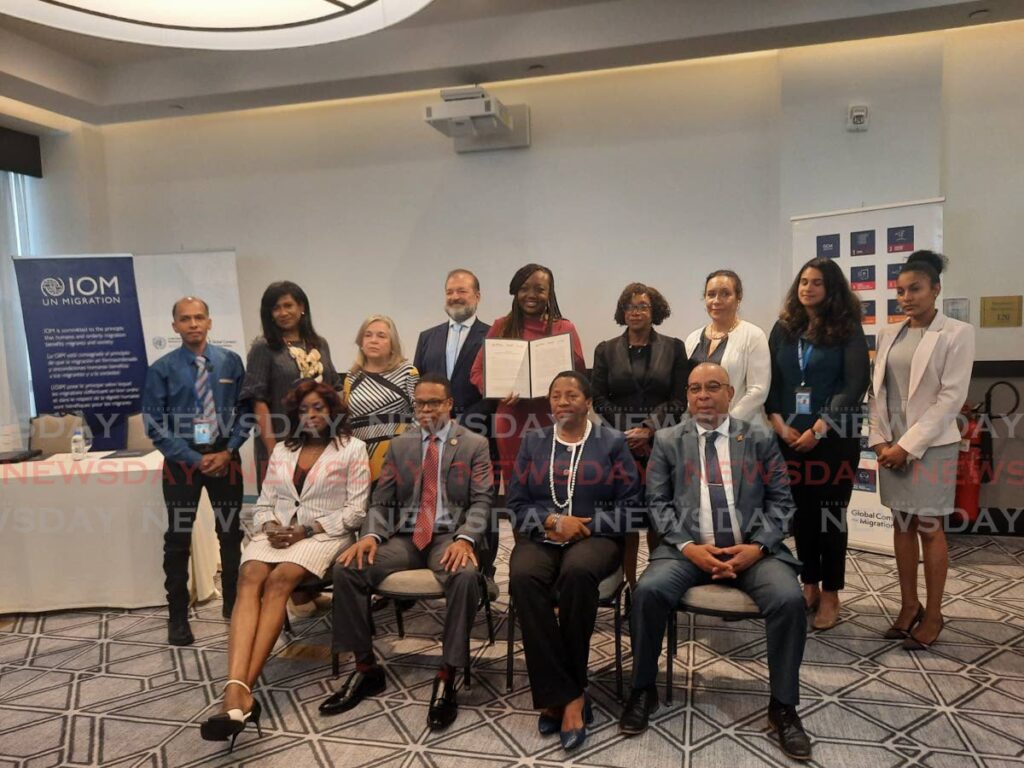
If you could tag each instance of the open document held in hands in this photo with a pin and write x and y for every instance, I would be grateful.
(524, 367)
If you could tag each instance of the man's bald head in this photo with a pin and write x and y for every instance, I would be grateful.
(708, 394)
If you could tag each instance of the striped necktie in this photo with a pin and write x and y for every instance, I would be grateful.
(204, 396)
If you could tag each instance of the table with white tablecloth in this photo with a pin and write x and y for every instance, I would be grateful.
(89, 533)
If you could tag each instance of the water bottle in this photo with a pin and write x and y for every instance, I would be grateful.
(78, 447)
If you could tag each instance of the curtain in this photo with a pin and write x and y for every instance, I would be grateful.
(15, 377)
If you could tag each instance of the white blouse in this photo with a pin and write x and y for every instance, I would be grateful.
(747, 361)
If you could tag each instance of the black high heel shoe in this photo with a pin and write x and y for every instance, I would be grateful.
(899, 633)
(227, 725)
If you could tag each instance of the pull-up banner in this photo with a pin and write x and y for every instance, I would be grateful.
(85, 342)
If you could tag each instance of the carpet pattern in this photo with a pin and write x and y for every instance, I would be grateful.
(101, 687)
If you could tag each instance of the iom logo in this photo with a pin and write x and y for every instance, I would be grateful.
(52, 287)
(79, 291)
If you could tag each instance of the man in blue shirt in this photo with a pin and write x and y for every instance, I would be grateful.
(194, 417)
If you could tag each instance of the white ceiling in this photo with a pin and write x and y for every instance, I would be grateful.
(450, 42)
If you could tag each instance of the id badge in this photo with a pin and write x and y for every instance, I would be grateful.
(201, 433)
(803, 401)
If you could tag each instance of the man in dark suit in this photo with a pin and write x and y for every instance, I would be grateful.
(450, 348)
(719, 496)
(439, 478)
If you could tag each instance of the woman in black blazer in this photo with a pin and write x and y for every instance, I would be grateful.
(573, 492)
(639, 381)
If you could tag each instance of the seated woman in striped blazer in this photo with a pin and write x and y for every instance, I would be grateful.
(314, 499)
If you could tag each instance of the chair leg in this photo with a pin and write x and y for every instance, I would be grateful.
(335, 664)
(510, 645)
(670, 655)
(468, 680)
(618, 646)
(489, 615)
(287, 623)
(398, 619)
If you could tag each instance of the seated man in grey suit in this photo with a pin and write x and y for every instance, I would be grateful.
(440, 480)
(719, 496)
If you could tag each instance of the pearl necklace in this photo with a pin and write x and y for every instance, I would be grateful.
(574, 464)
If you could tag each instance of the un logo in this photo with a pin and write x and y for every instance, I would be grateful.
(53, 287)
(159, 342)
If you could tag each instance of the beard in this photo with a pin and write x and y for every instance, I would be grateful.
(460, 313)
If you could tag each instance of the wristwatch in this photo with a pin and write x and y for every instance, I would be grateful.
(818, 435)
(308, 531)
(764, 549)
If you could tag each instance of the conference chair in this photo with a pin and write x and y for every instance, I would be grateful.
(417, 584)
(51, 433)
(609, 595)
(719, 600)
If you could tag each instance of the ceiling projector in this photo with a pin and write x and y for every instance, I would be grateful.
(468, 112)
(476, 120)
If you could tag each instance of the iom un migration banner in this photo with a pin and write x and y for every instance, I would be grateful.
(85, 342)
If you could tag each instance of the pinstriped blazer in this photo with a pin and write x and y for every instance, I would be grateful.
(335, 494)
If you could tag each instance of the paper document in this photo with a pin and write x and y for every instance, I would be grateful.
(526, 368)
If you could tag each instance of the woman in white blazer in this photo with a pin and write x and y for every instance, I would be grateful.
(738, 346)
(314, 499)
(919, 385)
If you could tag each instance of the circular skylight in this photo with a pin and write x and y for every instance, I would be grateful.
(218, 24)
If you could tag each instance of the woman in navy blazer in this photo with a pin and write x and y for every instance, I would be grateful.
(571, 493)
(920, 381)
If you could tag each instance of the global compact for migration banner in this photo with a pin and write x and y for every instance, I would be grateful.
(85, 344)
(870, 244)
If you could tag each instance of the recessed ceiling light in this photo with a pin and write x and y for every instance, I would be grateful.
(218, 24)
(981, 13)
(536, 68)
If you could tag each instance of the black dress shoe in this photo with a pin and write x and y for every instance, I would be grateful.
(643, 702)
(792, 737)
(358, 686)
(179, 632)
(443, 706)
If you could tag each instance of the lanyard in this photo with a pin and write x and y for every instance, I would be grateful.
(803, 356)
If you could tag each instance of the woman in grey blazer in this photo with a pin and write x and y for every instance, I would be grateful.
(920, 381)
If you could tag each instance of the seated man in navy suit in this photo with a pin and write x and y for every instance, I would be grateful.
(719, 496)
(450, 348)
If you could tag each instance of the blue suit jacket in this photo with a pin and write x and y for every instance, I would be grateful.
(430, 358)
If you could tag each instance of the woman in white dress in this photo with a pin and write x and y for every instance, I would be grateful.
(314, 499)
(736, 345)
(920, 381)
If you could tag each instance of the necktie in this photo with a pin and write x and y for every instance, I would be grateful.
(204, 396)
(452, 352)
(721, 519)
(424, 530)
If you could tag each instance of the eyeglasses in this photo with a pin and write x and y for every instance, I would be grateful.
(423, 405)
(712, 387)
(638, 307)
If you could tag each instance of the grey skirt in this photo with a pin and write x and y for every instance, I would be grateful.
(925, 487)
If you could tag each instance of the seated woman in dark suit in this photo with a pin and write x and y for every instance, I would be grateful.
(571, 494)
(639, 381)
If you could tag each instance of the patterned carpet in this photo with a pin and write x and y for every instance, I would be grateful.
(102, 688)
